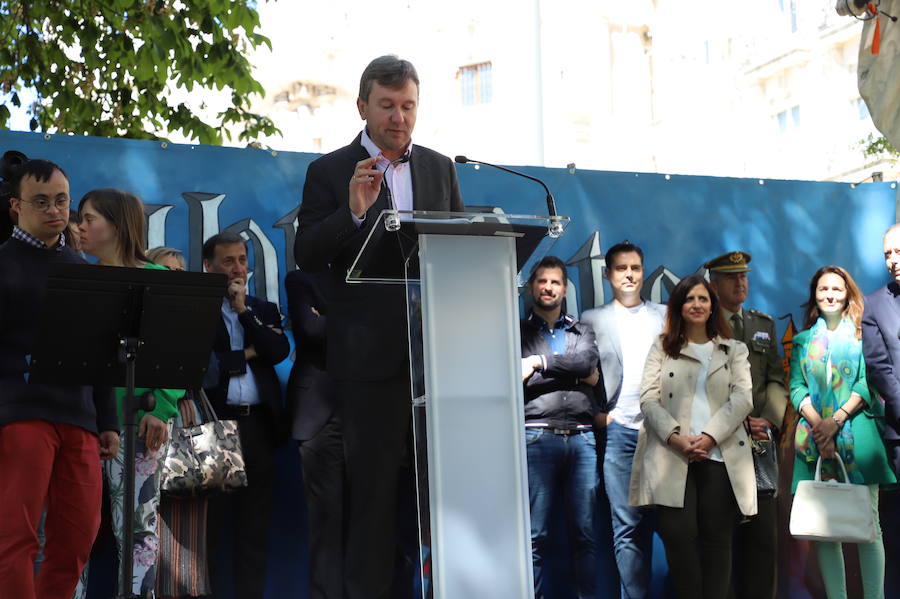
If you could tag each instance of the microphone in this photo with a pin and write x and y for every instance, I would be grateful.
(390, 199)
(392, 221)
(551, 203)
(555, 227)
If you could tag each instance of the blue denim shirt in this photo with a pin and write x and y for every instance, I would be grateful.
(241, 389)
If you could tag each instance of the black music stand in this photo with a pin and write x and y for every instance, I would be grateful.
(140, 327)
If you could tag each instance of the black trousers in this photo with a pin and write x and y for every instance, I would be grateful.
(247, 511)
(698, 536)
(756, 552)
(323, 481)
(376, 420)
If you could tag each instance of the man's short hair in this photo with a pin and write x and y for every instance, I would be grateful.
(223, 238)
(891, 229)
(549, 262)
(622, 247)
(37, 168)
(389, 71)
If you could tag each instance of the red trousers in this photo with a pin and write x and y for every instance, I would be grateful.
(58, 466)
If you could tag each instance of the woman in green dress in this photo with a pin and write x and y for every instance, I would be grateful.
(112, 230)
(838, 415)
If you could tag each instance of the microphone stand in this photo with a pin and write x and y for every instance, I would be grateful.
(555, 228)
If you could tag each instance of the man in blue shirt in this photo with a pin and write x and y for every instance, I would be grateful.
(559, 369)
(248, 345)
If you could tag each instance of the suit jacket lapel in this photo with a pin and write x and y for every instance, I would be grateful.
(893, 299)
(418, 180)
(688, 352)
(745, 319)
(223, 339)
(609, 315)
(719, 357)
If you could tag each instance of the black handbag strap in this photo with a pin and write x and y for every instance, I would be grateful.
(754, 443)
(206, 407)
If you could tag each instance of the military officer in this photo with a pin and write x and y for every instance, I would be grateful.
(755, 572)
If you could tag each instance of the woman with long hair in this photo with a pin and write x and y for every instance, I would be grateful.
(112, 230)
(182, 566)
(838, 415)
(693, 459)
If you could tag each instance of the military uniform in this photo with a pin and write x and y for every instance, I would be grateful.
(756, 541)
(770, 397)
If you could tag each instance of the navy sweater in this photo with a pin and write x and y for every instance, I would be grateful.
(23, 282)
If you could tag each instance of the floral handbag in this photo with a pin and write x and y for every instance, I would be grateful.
(204, 457)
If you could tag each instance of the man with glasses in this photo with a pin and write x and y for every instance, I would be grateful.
(52, 437)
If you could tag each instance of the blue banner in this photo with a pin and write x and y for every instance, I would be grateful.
(790, 227)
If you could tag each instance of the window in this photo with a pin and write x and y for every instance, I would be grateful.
(782, 121)
(789, 119)
(788, 8)
(476, 86)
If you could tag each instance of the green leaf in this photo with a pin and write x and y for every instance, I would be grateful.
(113, 89)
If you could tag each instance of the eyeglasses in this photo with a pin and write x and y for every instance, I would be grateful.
(42, 205)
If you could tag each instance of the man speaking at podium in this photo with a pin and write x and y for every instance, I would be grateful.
(366, 331)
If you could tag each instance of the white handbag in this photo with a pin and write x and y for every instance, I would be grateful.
(831, 510)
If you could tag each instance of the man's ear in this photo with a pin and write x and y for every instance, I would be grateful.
(361, 107)
(14, 205)
(205, 265)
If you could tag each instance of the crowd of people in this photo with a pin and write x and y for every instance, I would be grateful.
(683, 393)
(663, 404)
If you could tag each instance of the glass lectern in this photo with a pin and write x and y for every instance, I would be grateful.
(462, 272)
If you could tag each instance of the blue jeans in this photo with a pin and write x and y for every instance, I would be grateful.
(566, 465)
(632, 526)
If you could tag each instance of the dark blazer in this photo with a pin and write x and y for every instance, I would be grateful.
(367, 322)
(262, 330)
(310, 389)
(881, 349)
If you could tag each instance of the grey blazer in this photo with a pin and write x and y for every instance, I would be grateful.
(603, 321)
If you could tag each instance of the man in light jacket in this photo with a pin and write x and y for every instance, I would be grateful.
(625, 329)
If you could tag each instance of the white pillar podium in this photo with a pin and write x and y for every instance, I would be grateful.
(461, 271)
